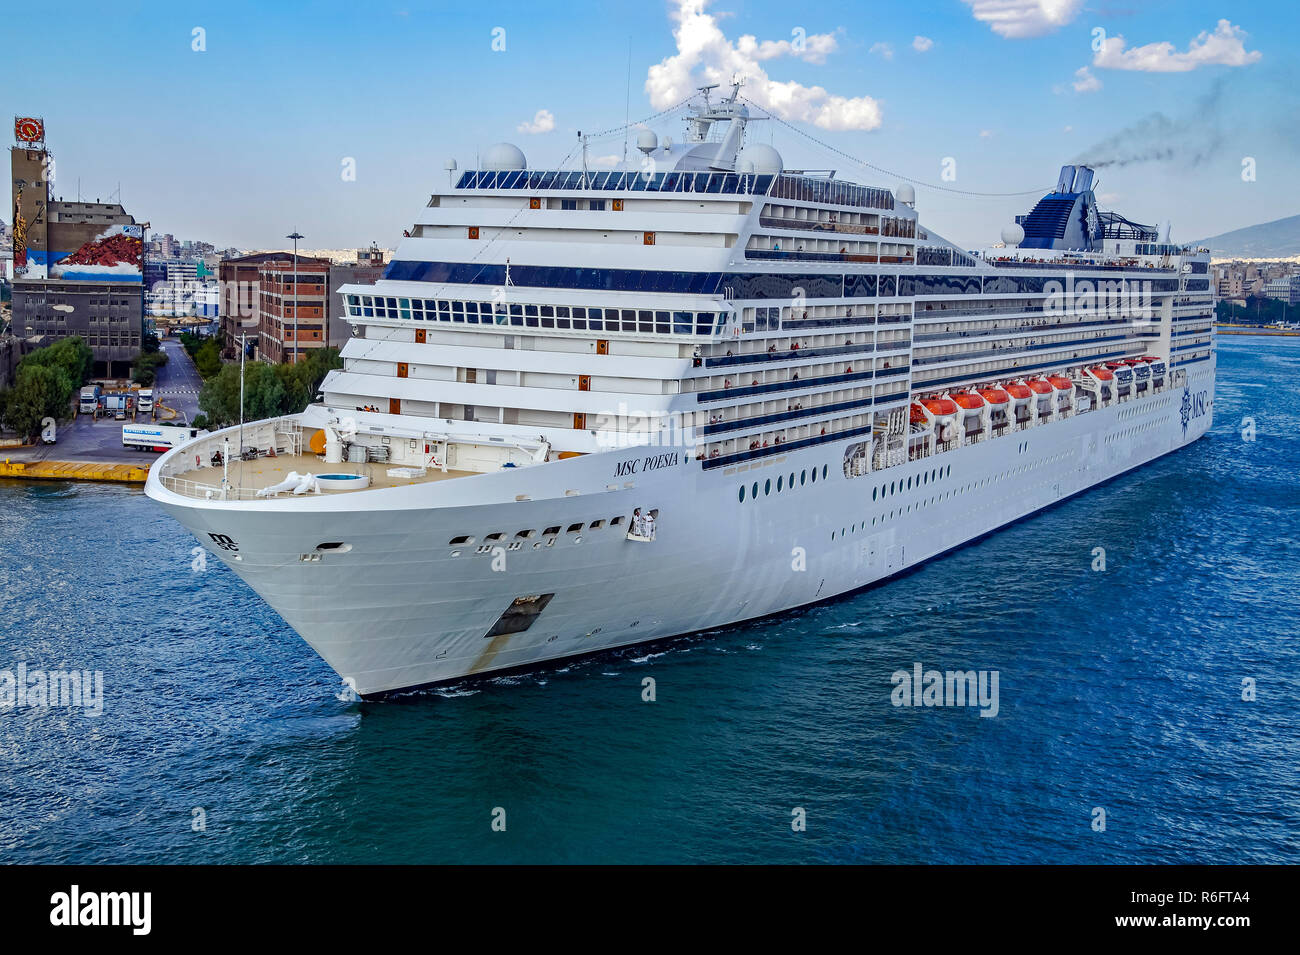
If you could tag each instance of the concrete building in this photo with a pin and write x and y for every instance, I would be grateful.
(77, 265)
(1284, 289)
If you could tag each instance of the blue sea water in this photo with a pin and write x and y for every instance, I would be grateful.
(1120, 690)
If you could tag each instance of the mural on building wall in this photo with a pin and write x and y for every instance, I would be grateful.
(112, 256)
(20, 234)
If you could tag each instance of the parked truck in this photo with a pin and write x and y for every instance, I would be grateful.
(89, 399)
(116, 406)
(144, 401)
(157, 437)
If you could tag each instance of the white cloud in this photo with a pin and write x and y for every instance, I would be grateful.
(811, 48)
(1226, 46)
(1017, 19)
(921, 43)
(986, 134)
(705, 55)
(883, 48)
(1069, 129)
(608, 162)
(542, 122)
(1085, 82)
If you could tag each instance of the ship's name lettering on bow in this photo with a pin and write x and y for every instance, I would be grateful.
(641, 465)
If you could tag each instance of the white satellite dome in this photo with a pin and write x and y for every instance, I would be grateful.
(503, 157)
(647, 141)
(1012, 235)
(765, 160)
(905, 194)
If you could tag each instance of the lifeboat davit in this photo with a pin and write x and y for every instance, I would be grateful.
(918, 414)
(967, 400)
(995, 396)
(940, 407)
(1039, 387)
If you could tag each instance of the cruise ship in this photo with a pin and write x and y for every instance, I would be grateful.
(586, 408)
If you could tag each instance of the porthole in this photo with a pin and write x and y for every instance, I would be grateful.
(767, 487)
(779, 482)
(814, 475)
(573, 528)
(454, 542)
(873, 493)
(803, 478)
(742, 494)
(792, 480)
(823, 470)
(753, 491)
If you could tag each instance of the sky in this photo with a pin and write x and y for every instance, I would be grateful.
(239, 123)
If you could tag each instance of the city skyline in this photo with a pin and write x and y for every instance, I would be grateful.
(336, 121)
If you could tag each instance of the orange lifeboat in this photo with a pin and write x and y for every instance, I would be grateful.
(1019, 392)
(1061, 383)
(940, 407)
(1102, 374)
(918, 413)
(1039, 387)
(968, 400)
(994, 396)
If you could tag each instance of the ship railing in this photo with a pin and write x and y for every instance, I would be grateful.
(208, 492)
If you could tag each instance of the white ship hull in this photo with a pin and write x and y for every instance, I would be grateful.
(400, 607)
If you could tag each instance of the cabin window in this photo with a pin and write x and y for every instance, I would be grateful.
(458, 541)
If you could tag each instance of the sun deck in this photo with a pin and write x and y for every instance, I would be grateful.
(246, 478)
(274, 451)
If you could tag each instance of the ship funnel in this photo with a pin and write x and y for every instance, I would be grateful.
(1082, 179)
(1065, 181)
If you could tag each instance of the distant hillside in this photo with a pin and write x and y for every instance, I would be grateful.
(1275, 239)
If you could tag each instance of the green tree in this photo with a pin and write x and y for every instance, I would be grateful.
(207, 358)
(40, 391)
(219, 397)
(72, 355)
(303, 380)
(146, 367)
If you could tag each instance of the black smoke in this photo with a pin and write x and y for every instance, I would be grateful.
(1188, 140)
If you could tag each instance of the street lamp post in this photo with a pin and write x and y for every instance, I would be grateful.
(295, 236)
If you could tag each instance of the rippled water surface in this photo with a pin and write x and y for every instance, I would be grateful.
(1120, 690)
